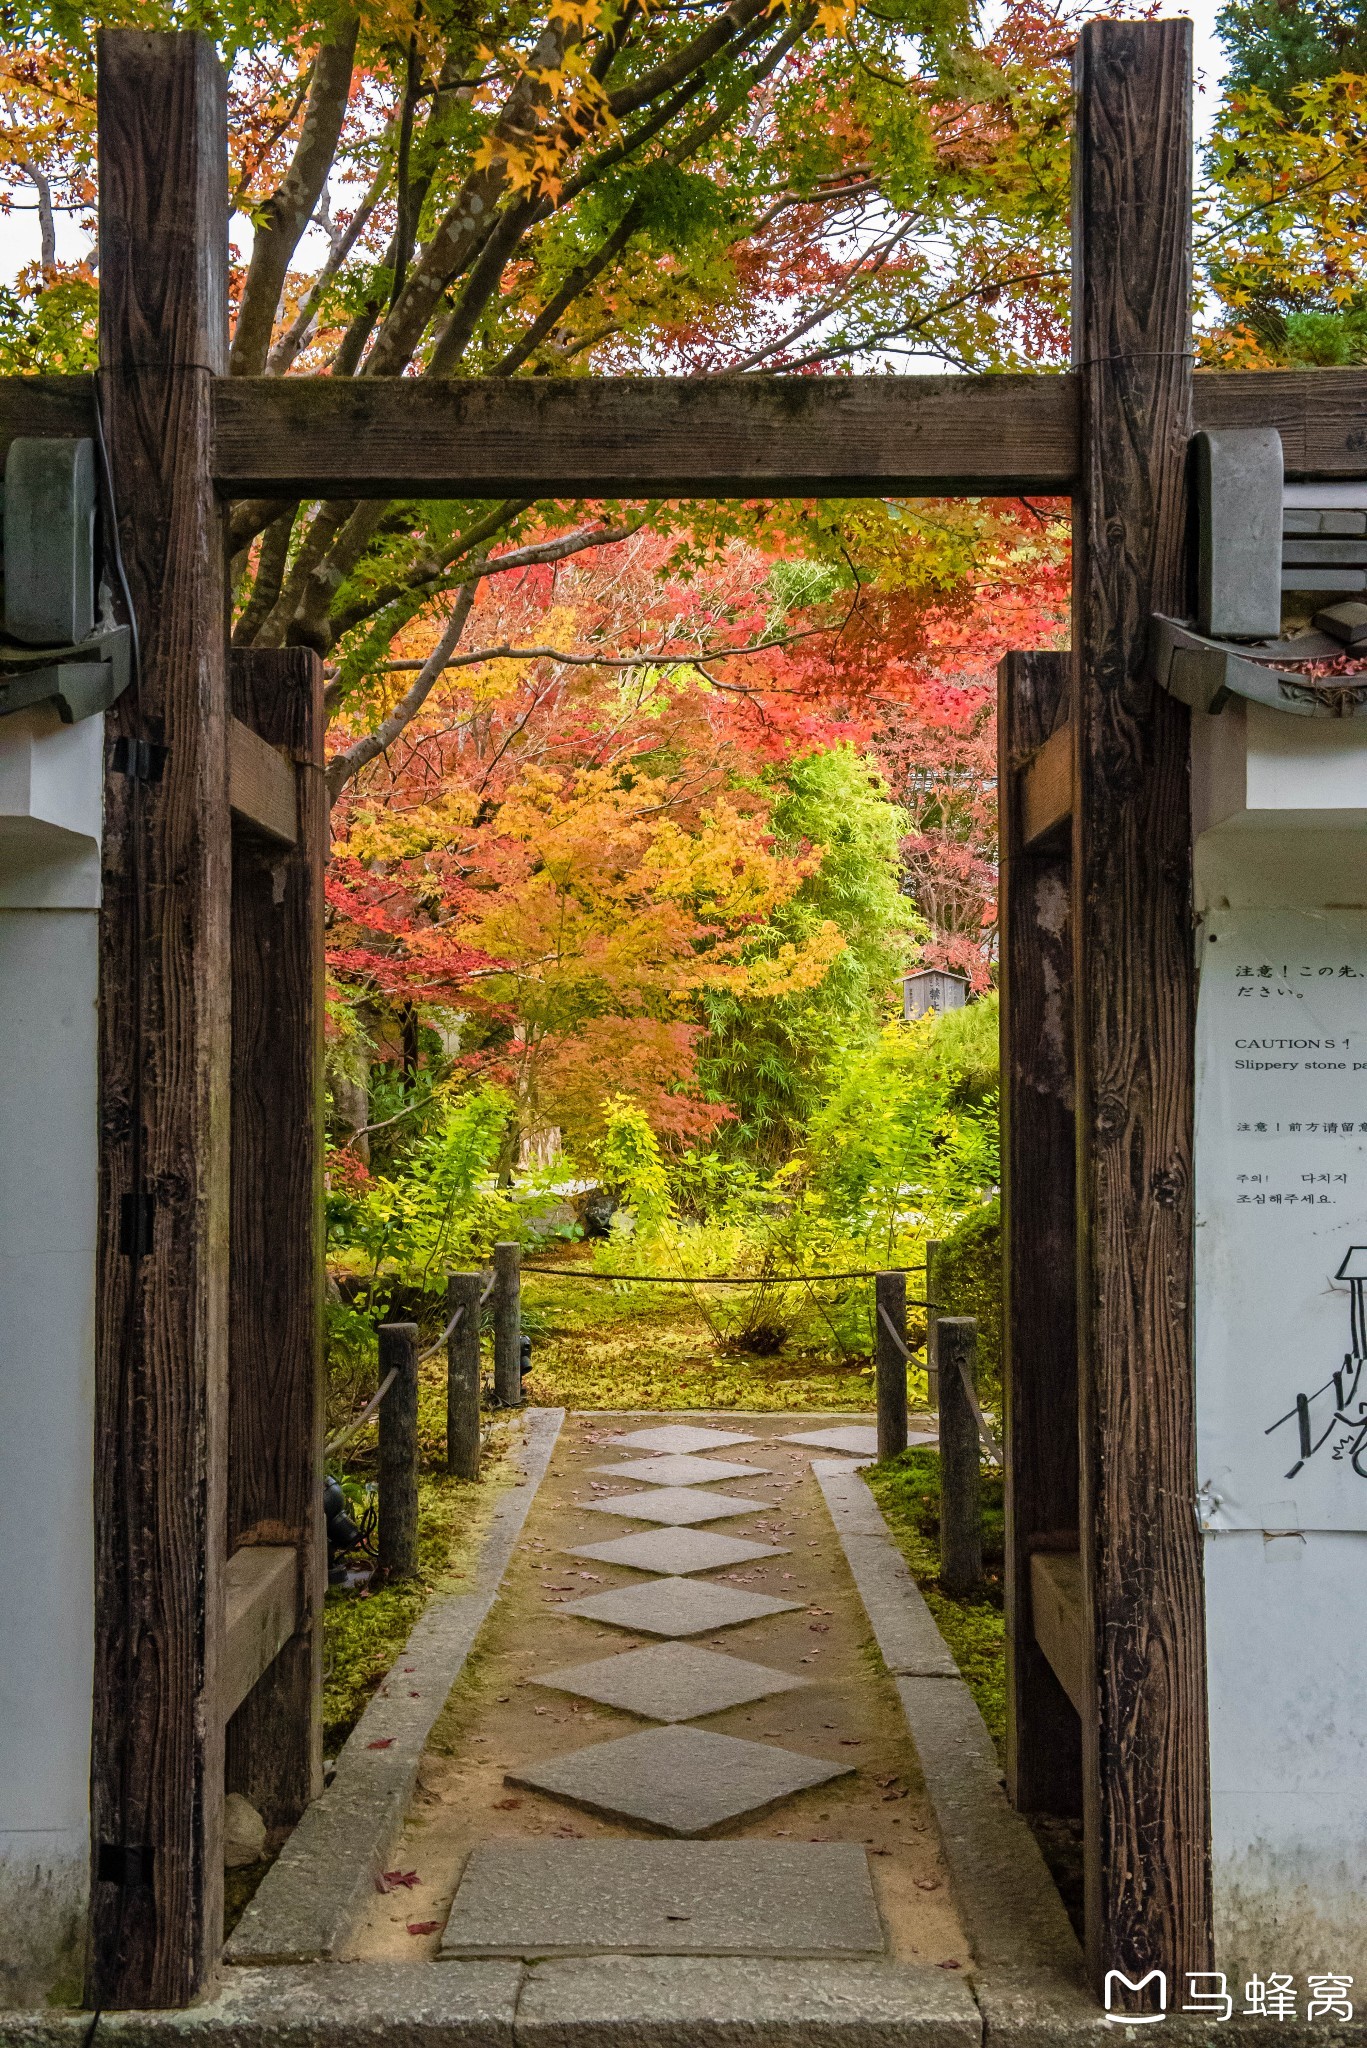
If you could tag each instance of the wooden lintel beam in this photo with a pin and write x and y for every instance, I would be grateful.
(1045, 796)
(261, 1597)
(261, 792)
(1056, 1609)
(675, 437)
(607, 436)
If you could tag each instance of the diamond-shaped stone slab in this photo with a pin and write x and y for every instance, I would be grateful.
(677, 1505)
(676, 1607)
(671, 1681)
(678, 1470)
(675, 1551)
(860, 1441)
(682, 1436)
(665, 1898)
(681, 1780)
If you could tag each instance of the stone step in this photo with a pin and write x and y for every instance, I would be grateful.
(529, 1898)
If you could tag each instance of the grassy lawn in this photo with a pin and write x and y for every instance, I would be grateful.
(630, 1345)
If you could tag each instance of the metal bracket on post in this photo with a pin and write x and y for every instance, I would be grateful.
(54, 651)
(1253, 548)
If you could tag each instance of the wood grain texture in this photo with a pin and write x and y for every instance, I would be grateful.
(663, 436)
(1056, 1604)
(890, 1356)
(644, 436)
(508, 1323)
(161, 1333)
(1039, 1296)
(463, 1291)
(260, 1588)
(961, 1512)
(1046, 789)
(261, 786)
(397, 1473)
(275, 1404)
(1145, 1761)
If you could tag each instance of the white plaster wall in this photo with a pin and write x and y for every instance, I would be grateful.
(1280, 810)
(50, 783)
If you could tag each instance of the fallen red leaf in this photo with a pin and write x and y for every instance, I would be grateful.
(431, 1926)
(384, 1742)
(408, 1877)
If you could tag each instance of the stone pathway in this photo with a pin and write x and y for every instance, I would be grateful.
(571, 1753)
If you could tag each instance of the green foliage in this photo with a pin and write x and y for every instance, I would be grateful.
(907, 1143)
(769, 1058)
(1273, 48)
(50, 328)
(441, 1211)
(632, 1168)
(969, 1283)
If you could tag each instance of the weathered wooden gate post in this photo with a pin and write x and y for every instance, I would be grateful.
(1146, 1800)
(1039, 1169)
(157, 1762)
(275, 1332)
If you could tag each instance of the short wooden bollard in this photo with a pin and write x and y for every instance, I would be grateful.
(508, 1324)
(398, 1477)
(934, 1306)
(961, 1526)
(463, 1291)
(890, 1354)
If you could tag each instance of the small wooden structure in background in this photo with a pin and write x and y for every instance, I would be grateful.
(208, 1345)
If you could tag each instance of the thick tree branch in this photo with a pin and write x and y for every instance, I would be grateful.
(289, 210)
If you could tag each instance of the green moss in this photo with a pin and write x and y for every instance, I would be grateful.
(907, 1490)
(364, 1632)
(968, 1282)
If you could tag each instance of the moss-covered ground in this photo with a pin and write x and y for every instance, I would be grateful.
(596, 1344)
(907, 1490)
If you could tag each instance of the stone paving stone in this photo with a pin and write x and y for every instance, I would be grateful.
(679, 1470)
(673, 1898)
(859, 1440)
(675, 1607)
(682, 1436)
(684, 1781)
(678, 1505)
(671, 1681)
(748, 2002)
(676, 1551)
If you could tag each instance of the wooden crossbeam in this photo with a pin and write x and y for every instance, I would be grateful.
(261, 786)
(674, 437)
(260, 1585)
(1056, 1604)
(1046, 788)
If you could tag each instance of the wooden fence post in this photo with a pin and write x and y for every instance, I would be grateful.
(161, 1346)
(508, 1324)
(398, 1473)
(463, 1291)
(890, 1356)
(1146, 1795)
(961, 1514)
(1039, 1173)
(275, 1266)
(934, 1307)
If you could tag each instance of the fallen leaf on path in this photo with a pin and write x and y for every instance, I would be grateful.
(431, 1926)
(397, 1877)
(383, 1742)
(506, 1805)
